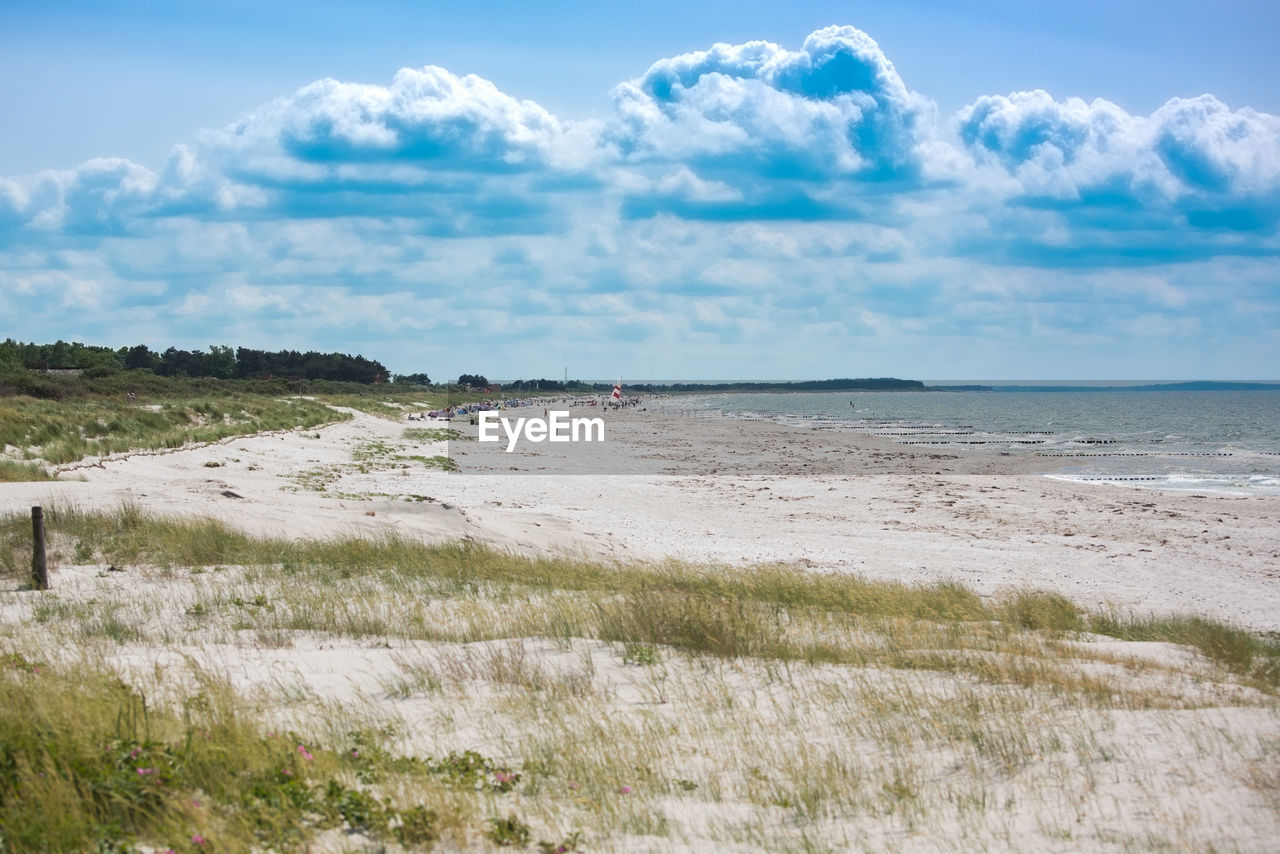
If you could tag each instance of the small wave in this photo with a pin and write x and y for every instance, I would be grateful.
(1219, 484)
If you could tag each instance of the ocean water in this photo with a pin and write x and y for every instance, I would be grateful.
(1197, 441)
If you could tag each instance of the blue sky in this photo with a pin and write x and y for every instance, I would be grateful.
(717, 190)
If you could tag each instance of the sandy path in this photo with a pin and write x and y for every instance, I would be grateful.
(261, 484)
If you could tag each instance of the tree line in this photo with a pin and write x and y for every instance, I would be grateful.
(218, 361)
(246, 363)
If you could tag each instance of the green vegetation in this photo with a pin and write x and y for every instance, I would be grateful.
(91, 764)
(432, 434)
(394, 402)
(51, 420)
(147, 387)
(69, 430)
(14, 472)
(765, 708)
(706, 610)
(376, 456)
(219, 361)
(1238, 650)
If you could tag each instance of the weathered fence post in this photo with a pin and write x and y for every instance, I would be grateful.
(39, 571)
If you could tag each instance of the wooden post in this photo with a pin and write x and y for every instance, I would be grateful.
(39, 571)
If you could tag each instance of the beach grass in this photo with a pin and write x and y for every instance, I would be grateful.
(92, 764)
(61, 432)
(16, 472)
(502, 700)
(704, 609)
(394, 403)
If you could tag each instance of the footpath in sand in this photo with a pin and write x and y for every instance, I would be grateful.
(723, 491)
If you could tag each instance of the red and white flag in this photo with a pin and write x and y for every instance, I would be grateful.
(617, 389)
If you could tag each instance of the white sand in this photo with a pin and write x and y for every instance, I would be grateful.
(734, 492)
(741, 493)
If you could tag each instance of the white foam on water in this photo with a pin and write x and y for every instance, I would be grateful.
(1216, 484)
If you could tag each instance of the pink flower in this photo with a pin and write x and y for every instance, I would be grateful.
(305, 753)
(197, 839)
(145, 771)
(626, 790)
(355, 754)
(574, 785)
(286, 772)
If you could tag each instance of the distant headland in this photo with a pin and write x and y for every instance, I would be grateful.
(846, 384)
(1196, 385)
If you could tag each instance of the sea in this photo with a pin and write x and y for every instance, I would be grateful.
(1216, 441)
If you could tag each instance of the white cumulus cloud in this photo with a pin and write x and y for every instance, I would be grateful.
(836, 107)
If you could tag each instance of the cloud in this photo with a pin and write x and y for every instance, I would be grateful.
(1212, 148)
(741, 194)
(748, 132)
(1194, 161)
(778, 127)
(97, 196)
(426, 116)
(836, 107)
(683, 184)
(455, 152)
(13, 201)
(1028, 126)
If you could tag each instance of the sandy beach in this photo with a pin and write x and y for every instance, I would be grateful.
(727, 491)
(1102, 746)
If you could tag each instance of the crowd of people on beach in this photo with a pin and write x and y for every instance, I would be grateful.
(464, 409)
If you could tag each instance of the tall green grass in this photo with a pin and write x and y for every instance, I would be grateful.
(1239, 650)
(88, 763)
(60, 432)
(15, 472)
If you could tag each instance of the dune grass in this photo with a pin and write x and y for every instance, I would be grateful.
(91, 765)
(713, 610)
(16, 472)
(512, 701)
(393, 403)
(60, 432)
(432, 434)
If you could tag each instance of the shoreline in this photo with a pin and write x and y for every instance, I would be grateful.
(844, 502)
